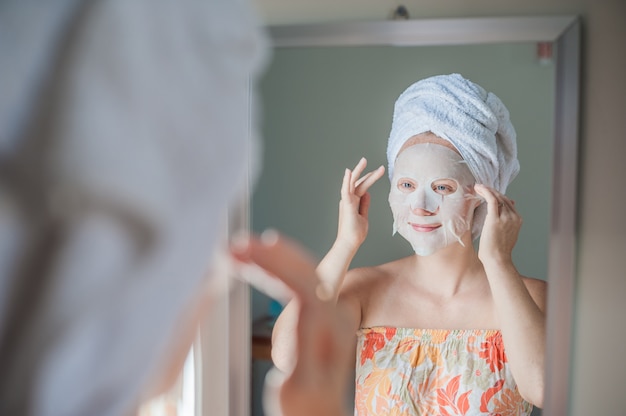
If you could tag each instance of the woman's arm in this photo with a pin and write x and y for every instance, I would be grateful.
(352, 231)
(519, 302)
(317, 383)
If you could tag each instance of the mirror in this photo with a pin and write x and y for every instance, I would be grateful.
(327, 99)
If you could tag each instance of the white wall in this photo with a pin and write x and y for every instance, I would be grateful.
(599, 368)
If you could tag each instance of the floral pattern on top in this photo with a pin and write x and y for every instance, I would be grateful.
(411, 372)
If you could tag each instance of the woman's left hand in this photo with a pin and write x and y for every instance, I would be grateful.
(501, 227)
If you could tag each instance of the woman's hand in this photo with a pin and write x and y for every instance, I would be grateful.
(501, 228)
(519, 302)
(355, 202)
(317, 384)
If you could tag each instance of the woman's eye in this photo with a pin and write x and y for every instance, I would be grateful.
(405, 186)
(445, 187)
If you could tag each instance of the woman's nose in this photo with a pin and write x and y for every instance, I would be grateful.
(423, 204)
(423, 212)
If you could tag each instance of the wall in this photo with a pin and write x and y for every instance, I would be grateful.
(598, 368)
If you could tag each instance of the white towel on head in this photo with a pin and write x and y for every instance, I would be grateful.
(475, 122)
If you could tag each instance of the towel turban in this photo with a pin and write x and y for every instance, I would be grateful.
(474, 121)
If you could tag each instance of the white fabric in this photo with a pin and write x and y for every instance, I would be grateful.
(476, 122)
(124, 136)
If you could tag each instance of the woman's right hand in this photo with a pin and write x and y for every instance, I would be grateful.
(355, 202)
(316, 383)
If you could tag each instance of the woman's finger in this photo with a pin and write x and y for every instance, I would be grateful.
(496, 201)
(263, 281)
(345, 185)
(509, 203)
(364, 206)
(282, 258)
(505, 204)
(362, 179)
(368, 180)
(489, 196)
(356, 173)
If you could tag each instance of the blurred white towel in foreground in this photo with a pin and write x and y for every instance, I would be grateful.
(123, 139)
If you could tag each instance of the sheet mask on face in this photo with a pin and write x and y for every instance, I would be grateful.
(431, 197)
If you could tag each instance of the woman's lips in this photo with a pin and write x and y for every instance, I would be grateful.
(425, 228)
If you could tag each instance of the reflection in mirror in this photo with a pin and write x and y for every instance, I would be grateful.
(325, 107)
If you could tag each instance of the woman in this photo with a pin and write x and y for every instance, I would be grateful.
(449, 330)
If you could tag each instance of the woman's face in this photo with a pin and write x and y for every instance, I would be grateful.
(432, 197)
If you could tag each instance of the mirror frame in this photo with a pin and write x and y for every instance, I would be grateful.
(565, 33)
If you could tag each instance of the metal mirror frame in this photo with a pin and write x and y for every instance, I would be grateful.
(565, 33)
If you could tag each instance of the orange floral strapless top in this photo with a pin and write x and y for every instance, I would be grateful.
(411, 372)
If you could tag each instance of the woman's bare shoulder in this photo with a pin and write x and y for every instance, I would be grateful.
(365, 278)
(535, 284)
(538, 290)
